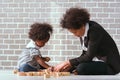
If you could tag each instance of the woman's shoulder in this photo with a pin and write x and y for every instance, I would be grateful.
(93, 23)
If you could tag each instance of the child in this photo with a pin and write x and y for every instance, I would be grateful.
(31, 59)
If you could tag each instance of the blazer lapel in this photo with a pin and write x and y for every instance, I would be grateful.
(81, 41)
(86, 41)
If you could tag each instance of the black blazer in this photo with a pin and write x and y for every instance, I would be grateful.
(100, 45)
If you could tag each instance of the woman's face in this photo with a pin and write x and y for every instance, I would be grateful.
(41, 43)
(78, 32)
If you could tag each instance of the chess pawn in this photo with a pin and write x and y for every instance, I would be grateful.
(41, 73)
(65, 73)
(15, 71)
(46, 76)
(29, 73)
(21, 74)
(56, 74)
(35, 73)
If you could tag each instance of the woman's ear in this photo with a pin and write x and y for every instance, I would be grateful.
(83, 27)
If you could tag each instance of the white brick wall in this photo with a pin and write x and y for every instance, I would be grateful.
(17, 15)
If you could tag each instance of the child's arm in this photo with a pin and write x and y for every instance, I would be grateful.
(41, 62)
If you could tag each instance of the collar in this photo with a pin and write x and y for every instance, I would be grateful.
(32, 44)
(86, 30)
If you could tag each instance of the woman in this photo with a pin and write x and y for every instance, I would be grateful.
(100, 55)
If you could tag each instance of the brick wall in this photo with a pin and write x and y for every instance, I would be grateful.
(17, 15)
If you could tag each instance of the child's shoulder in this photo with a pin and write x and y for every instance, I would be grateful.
(34, 51)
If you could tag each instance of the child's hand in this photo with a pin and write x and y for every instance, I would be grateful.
(51, 68)
(46, 59)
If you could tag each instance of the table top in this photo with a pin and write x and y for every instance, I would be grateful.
(8, 75)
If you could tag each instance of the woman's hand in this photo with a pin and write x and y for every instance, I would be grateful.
(64, 66)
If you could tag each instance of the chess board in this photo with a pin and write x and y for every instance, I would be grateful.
(9, 75)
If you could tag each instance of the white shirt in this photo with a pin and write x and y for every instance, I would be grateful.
(27, 55)
(86, 31)
(32, 44)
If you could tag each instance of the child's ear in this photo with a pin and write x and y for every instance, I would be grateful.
(83, 27)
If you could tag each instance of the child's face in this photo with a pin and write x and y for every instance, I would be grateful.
(78, 32)
(41, 43)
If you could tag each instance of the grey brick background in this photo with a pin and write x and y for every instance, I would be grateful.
(17, 15)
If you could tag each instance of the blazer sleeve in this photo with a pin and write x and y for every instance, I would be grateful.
(95, 38)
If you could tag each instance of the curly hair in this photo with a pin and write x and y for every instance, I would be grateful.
(75, 18)
(40, 31)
